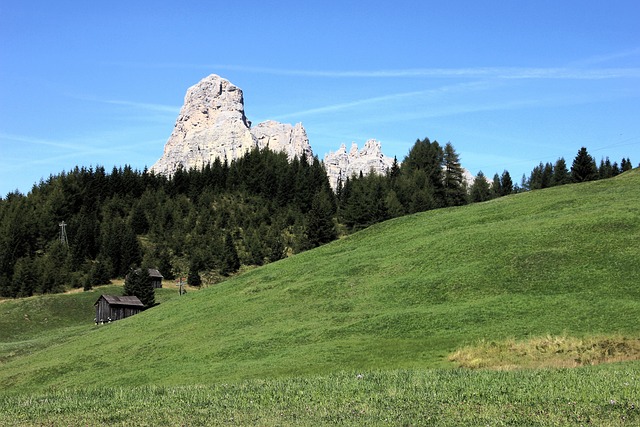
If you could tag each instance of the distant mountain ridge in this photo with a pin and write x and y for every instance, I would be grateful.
(341, 165)
(212, 125)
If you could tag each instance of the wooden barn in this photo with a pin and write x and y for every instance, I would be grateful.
(110, 308)
(156, 278)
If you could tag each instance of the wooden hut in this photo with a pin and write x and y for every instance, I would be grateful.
(110, 307)
(156, 278)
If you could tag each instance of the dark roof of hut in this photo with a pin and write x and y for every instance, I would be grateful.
(155, 273)
(131, 301)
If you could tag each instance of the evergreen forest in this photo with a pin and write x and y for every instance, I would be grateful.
(84, 227)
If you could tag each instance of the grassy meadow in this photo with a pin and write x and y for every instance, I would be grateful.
(602, 396)
(369, 329)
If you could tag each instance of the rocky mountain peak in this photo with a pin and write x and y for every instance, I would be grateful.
(212, 124)
(342, 165)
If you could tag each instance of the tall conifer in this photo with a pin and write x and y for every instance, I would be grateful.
(583, 167)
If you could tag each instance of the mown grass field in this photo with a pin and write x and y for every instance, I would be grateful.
(601, 396)
(392, 303)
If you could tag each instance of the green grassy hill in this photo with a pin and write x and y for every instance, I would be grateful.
(34, 323)
(403, 294)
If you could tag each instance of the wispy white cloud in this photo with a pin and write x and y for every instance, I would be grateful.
(142, 105)
(608, 57)
(463, 87)
(576, 72)
(12, 138)
(95, 148)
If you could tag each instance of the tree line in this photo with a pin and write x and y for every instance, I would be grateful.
(432, 177)
(202, 223)
(206, 223)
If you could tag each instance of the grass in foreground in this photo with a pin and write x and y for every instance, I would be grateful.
(596, 396)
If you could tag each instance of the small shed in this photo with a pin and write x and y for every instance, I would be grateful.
(111, 307)
(156, 278)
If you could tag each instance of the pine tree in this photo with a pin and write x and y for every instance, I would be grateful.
(356, 213)
(480, 189)
(83, 242)
(506, 183)
(496, 187)
(138, 283)
(54, 266)
(138, 220)
(394, 207)
(231, 262)
(276, 249)
(320, 228)
(394, 170)
(583, 167)
(560, 173)
(99, 274)
(193, 277)
(130, 249)
(454, 186)
(427, 158)
(615, 169)
(25, 278)
(606, 169)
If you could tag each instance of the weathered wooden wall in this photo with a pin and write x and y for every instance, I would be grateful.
(105, 311)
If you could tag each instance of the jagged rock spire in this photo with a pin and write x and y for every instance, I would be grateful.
(212, 124)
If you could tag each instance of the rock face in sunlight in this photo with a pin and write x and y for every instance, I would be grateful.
(284, 137)
(342, 165)
(212, 124)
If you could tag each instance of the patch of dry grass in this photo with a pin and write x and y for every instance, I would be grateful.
(547, 352)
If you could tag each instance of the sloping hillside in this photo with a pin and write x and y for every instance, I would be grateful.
(402, 294)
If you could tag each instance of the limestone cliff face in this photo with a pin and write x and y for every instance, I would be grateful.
(342, 165)
(212, 124)
(283, 137)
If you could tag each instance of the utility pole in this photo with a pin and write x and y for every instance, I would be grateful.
(63, 234)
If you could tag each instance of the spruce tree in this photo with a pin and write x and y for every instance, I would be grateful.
(394, 170)
(454, 186)
(138, 283)
(583, 167)
(506, 183)
(496, 187)
(231, 262)
(138, 220)
(393, 205)
(480, 189)
(606, 169)
(427, 158)
(547, 175)
(320, 228)
(560, 173)
(25, 279)
(130, 250)
(193, 277)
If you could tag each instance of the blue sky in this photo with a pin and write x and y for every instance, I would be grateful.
(508, 83)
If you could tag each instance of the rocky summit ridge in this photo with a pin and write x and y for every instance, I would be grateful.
(212, 125)
(342, 164)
